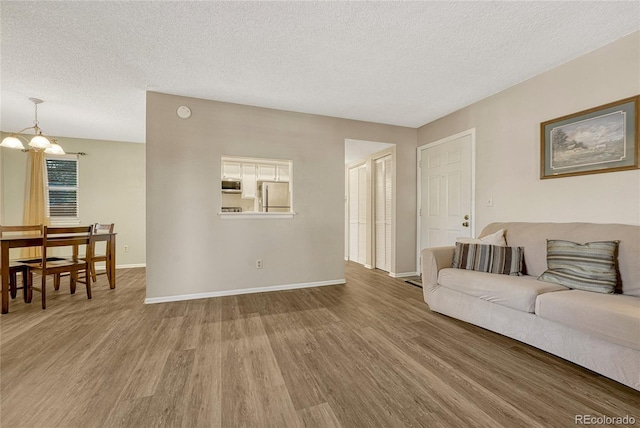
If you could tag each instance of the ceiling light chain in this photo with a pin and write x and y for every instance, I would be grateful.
(36, 102)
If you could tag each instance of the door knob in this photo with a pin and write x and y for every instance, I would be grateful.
(465, 224)
(466, 217)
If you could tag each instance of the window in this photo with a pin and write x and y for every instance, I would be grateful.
(62, 189)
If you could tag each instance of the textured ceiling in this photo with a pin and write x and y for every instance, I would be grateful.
(403, 63)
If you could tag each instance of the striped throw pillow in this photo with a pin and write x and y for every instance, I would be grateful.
(589, 267)
(489, 258)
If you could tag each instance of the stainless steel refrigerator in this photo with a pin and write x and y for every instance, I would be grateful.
(274, 197)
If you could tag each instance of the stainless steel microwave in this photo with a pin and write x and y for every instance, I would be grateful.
(231, 186)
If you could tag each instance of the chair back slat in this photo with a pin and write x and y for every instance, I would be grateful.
(21, 229)
(103, 228)
(68, 230)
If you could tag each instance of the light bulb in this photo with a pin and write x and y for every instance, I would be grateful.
(12, 142)
(40, 142)
(55, 149)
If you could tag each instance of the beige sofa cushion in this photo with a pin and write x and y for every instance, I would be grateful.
(533, 237)
(496, 238)
(516, 292)
(612, 317)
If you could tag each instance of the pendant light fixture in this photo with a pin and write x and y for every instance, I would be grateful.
(38, 141)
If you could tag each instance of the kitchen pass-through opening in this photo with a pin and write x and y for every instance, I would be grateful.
(255, 186)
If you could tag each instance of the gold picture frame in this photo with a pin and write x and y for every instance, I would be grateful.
(601, 139)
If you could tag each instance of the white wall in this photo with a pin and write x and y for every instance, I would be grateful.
(192, 250)
(508, 142)
(111, 190)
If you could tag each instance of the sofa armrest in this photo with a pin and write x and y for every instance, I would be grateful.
(432, 260)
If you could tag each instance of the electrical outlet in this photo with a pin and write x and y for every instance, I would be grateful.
(259, 264)
(126, 248)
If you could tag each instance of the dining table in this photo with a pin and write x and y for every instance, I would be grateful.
(33, 240)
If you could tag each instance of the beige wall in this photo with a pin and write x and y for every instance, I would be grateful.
(192, 250)
(111, 190)
(508, 142)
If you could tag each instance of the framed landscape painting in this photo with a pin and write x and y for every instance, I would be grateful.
(601, 139)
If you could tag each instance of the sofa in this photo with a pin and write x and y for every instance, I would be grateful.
(595, 330)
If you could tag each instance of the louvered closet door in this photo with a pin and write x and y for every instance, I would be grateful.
(362, 215)
(383, 213)
(353, 214)
(358, 214)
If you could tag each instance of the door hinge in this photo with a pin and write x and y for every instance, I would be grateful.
(420, 164)
(420, 212)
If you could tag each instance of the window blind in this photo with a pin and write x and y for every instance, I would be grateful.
(62, 184)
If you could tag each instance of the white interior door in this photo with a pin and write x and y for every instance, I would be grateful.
(445, 191)
(382, 194)
(358, 214)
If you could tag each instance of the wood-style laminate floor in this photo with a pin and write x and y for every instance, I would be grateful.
(365, 354)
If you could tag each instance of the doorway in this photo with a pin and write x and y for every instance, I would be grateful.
(446, 187)
(370, 204)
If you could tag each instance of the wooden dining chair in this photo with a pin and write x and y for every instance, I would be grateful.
(15, 266)
(61, 237)
(99, 228)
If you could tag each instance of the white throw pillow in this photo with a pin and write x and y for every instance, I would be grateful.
(493, 239)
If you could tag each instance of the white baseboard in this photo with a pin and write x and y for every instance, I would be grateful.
(402, 274)
(368, 266)
(138, 265)
(178, 298)
(135, 265)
